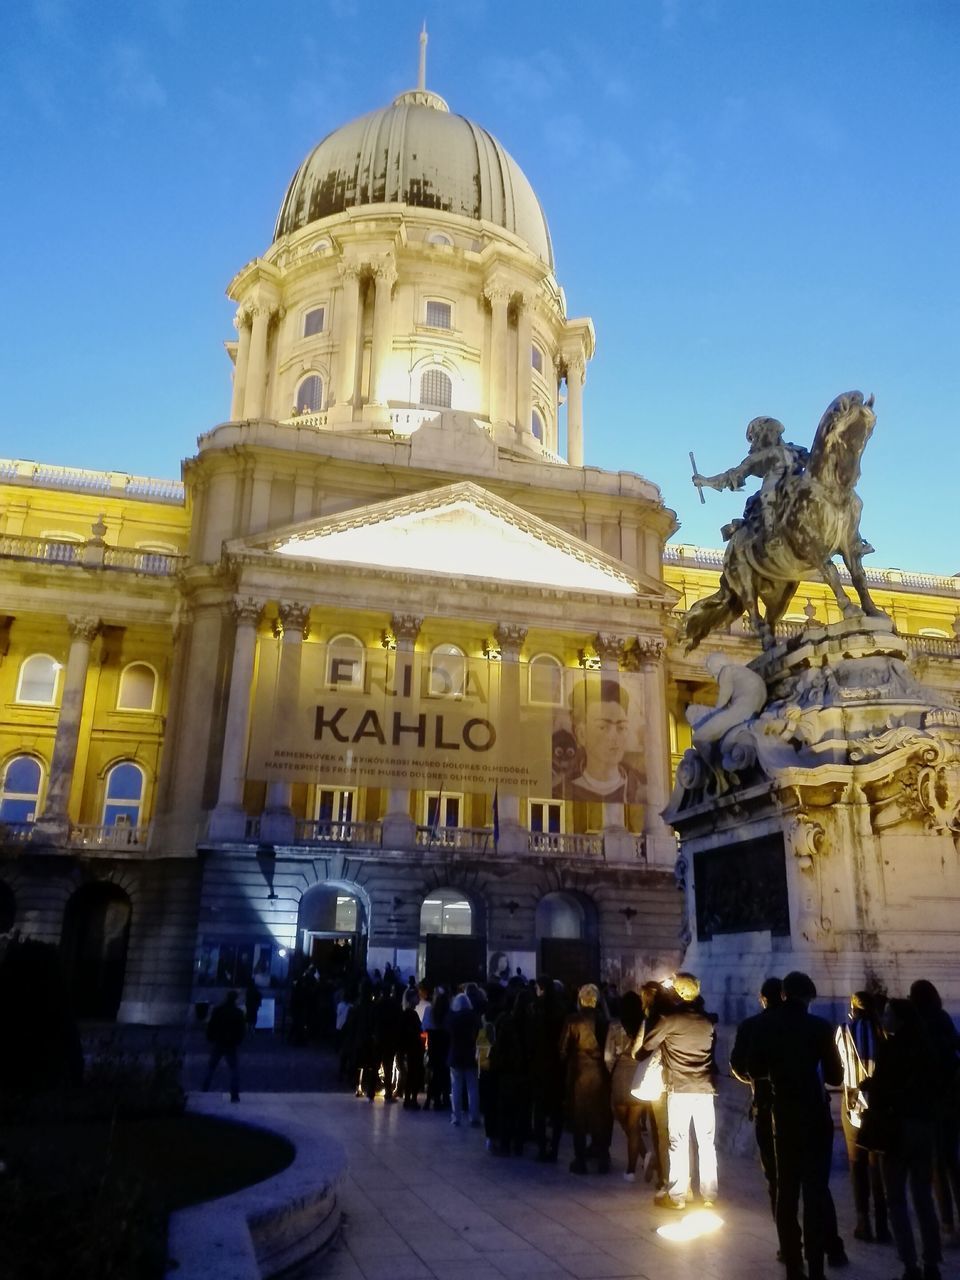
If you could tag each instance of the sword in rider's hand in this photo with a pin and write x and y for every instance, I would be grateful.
(693, 463)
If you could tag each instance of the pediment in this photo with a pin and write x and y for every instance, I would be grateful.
(461, 530)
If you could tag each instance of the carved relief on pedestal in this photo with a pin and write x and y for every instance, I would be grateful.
(805, 840)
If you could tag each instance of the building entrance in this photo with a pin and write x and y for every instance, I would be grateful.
(96, 929)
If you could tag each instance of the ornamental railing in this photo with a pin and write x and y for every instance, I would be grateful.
(322, 831)
(310, 421)
(566, 844)
(124, 559)
(460, 839)
(115, 836)
(82, 480)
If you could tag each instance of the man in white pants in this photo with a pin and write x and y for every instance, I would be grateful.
(686, 1039)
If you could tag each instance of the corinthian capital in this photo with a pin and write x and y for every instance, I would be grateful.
(609, 647)
(294, 618)
(246, 610)
(495, 291)
(348, 271)
(510, 638)
(405, 626)
(242, 319)
(649, 650)
(385, 271)
(82, 627)
(576, 366)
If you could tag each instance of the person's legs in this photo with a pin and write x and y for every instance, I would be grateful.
(636, 1147)
(895, 1184)
(456, 1094)
(881, 1230)
(231, 1057)
(473, 1095)
(858, 1162)
(763, 1123)
(921, 1141)
(215, 1056)
(679, 1113)
(704, 1127)
(787, 1140)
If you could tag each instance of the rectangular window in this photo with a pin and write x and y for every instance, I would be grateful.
(336, 804)
(448, 807)
(313, 322)
(440, 315)
(536, 358)
(546, 816)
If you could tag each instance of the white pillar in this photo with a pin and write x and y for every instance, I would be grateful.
(53, 825)
(278, 825)
(661, 845)
(498, 297)
(576, 373)
(255, 391)
(242, 322)
(514, 837)
(385, 275)
(398, 828)
(228, 819)
(348, 334)
(524, 366)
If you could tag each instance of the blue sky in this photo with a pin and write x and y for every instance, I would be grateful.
(756, 201)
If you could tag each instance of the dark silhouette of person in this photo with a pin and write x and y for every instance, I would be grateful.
(546, 1016)
(939, 1027)
(411, 1049)
(588, 1081)
(795, 1052)
(761, 1102)
(857, 1040)
(225, 1031)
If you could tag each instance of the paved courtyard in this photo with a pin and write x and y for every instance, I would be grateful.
(426, 1200)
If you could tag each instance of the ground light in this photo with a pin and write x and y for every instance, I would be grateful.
(693, 1225)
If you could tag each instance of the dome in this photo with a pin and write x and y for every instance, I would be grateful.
(415, 152)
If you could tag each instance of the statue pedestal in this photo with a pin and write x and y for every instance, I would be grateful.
(824, 833)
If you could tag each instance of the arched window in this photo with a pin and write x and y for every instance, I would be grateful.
(934, 632)
(448, 671)
(138, 687)
(313, 322)
(559, 915)
(536, 358)
(310, 394)
(123, 795)
(436, 389)
(545, 680)
(446, 911)
(440, 238)
(39, 676)
(536, 425)
(345, 662)
(20, 790)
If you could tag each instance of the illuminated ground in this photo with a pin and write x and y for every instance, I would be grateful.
(426, 1200)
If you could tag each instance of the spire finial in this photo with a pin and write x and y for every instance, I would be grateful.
(422, 76)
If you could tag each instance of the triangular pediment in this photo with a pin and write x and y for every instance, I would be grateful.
(459, 529)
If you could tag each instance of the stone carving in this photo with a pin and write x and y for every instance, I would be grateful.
(806, 839)
(608, 647)
(741, 695)
(294, 617)
(806, 512)
(83, 628)
(246, 610)
(510, 637)
(405, 626)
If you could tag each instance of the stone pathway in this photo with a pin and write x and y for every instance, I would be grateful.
(425, 1200)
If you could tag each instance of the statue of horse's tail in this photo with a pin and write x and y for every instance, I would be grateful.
(715, 611)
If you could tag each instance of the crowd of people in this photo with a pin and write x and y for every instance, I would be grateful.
(526, 1061)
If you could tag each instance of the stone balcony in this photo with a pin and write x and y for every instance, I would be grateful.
(88, 555)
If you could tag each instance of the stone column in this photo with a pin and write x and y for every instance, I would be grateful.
(278, 825)
(348, 339)
(398, 828)
(524, 366)
(660, 841)
(242, 322)
(385, 276)
(255, 390)
(498, 296)
(228, 819)
(514, 837)
(610, 651)
(53, 826)
(576, 374)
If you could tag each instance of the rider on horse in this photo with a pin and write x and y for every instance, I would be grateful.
(770, 457)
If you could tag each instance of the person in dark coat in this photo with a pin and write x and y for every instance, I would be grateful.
(386, 1041)
(903, 1096)
(857, 1041)
(686, 1038)
(547, 1016)
(411, 1050)
(225, 1030)
(946, 1046)
(510, 1061)
(438, 1051)
(588, 1082)
(795, 1052)
(654, 1114)
(761, 1101)
(622, 1040)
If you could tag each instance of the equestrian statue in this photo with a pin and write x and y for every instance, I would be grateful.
(806, 512)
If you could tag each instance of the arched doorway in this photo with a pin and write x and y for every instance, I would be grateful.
(96, 931)
(453, 947)
(332, 932)
(567, 938)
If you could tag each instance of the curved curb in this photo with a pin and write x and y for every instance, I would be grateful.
(266, 1228)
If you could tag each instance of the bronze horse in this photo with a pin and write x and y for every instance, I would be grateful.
(815, 514)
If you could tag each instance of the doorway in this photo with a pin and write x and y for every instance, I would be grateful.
(96, 933)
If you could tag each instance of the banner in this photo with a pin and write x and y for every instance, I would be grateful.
(373, 717)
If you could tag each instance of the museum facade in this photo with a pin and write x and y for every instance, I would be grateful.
(390, 676)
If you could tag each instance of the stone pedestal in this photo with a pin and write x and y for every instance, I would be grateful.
(824, 833)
